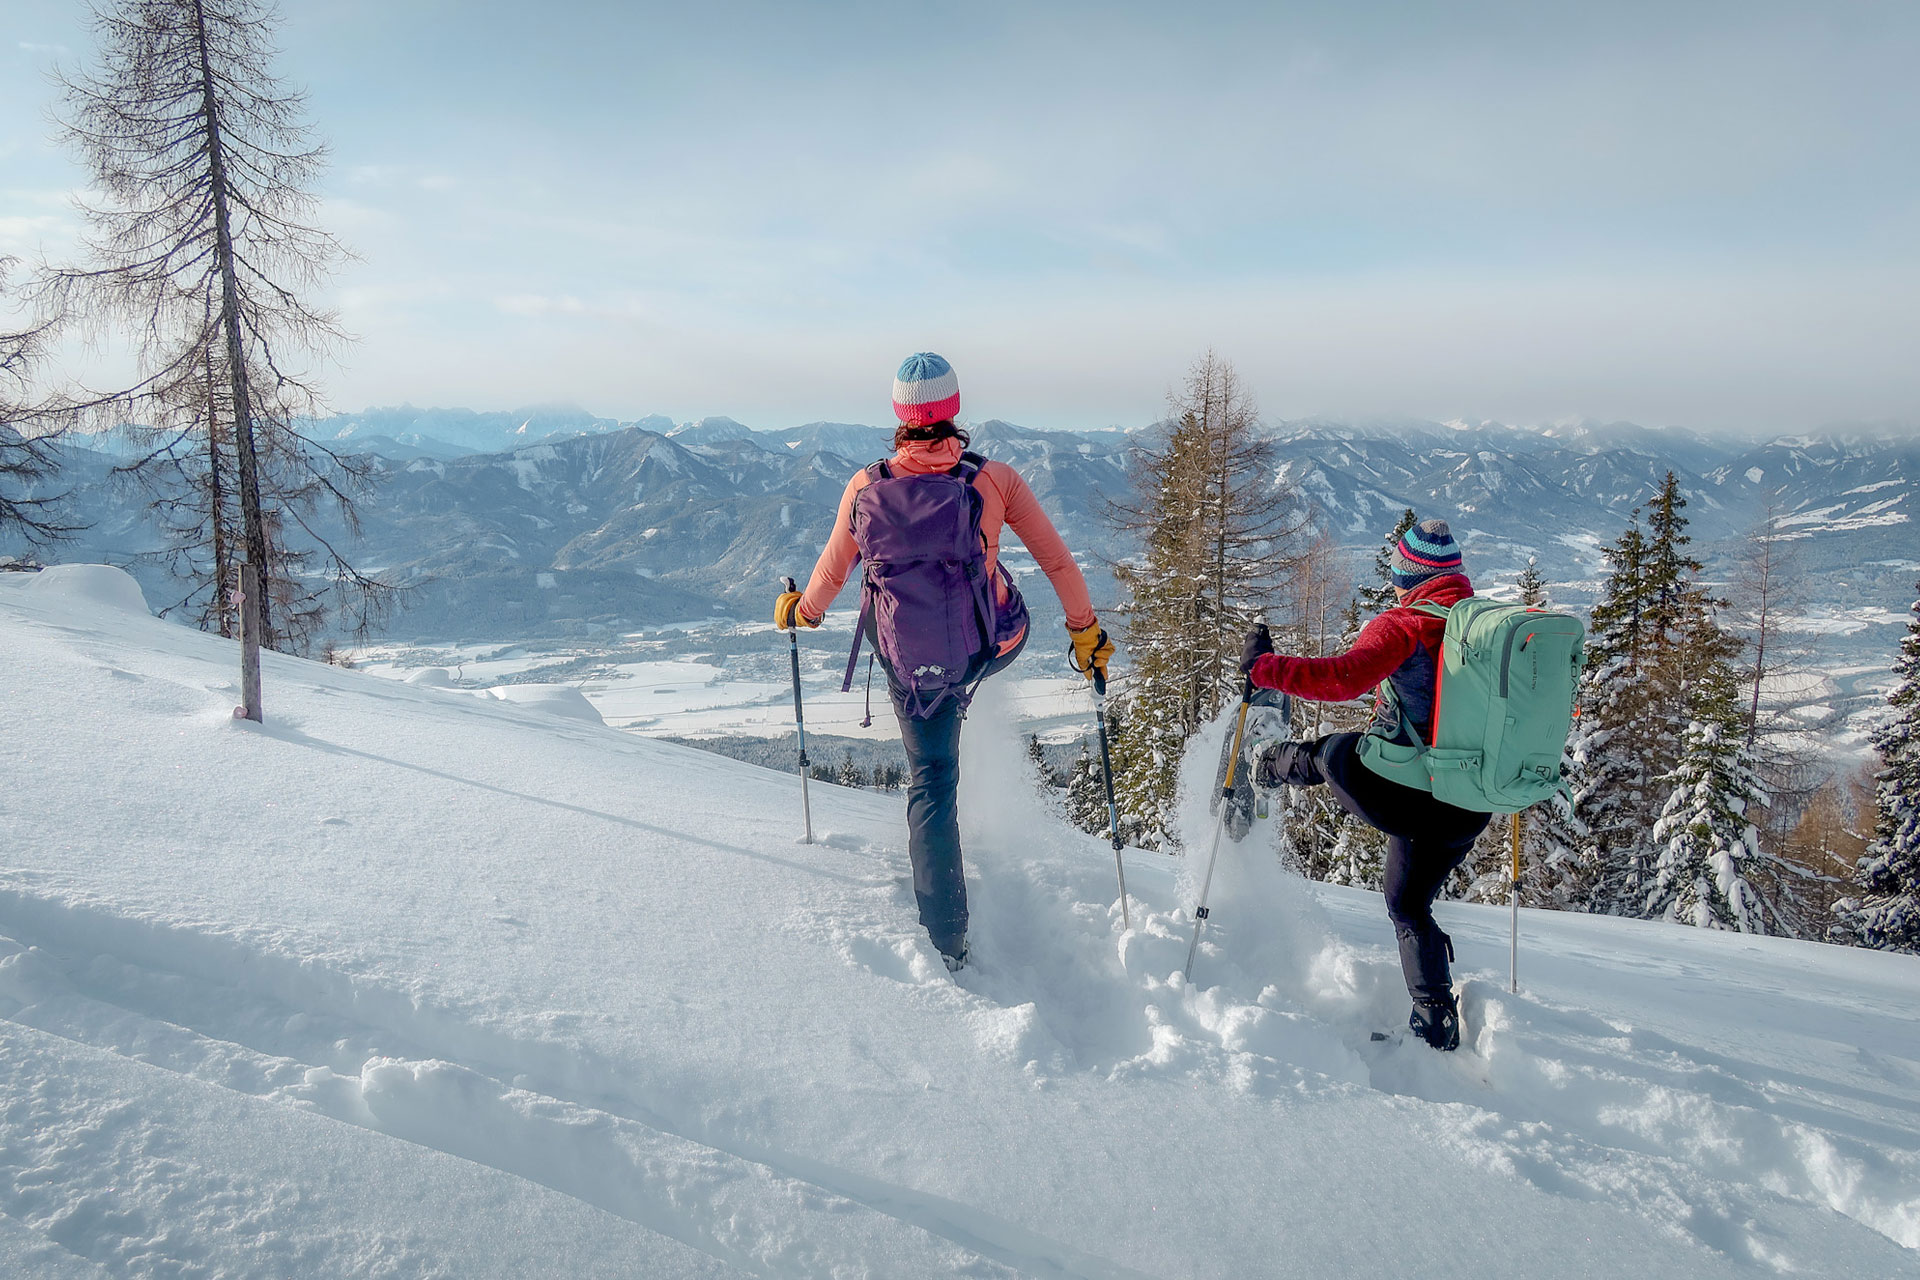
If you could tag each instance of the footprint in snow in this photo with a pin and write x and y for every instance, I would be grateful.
(899, 960)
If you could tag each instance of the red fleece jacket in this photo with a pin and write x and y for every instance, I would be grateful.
(1377, 652)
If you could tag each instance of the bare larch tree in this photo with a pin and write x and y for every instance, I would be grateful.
(201, 239)
(1218, 531)
(29, 434)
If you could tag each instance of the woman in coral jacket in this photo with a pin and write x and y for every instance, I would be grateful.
(1398, 653)
(926, 400)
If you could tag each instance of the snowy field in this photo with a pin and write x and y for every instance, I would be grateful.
(666, 684)
(670, 684)
(409, 982)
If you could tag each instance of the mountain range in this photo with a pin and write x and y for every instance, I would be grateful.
(555, 521)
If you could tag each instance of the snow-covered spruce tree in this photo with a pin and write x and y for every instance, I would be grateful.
(1660, 715)
(1216, 531)
(1087, 793)
(1886, 913)
(1531, 584)
(1608, 778)
(1043, 772)
(1657, 662)
(1551, 872)
(1706, 839)
(1376, 594)
(200, 243)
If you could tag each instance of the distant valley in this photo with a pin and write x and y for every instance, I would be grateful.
(556, 524)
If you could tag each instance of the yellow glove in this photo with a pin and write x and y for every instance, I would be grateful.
(1091, 649)
(787, 612)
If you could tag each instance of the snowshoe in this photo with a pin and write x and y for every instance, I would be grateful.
(1267, 718)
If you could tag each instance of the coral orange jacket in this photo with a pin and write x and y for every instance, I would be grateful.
(1006, 500)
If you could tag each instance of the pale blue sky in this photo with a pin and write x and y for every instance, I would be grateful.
(1701, 214)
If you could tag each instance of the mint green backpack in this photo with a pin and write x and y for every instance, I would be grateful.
(1503, 705)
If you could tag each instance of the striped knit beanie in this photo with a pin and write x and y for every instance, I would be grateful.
(1425, 551)
(925, 390)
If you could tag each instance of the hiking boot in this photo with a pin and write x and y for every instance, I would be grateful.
(1437, 1023)
(957, 960)
(1266, 762)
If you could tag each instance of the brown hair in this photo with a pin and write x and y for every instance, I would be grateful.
(941, 430)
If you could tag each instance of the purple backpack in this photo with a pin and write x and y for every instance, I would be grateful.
(927, 599)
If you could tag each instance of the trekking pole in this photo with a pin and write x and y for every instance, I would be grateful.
(1113, 808)
(1226, 797)
(799, 716)
(1513, 952)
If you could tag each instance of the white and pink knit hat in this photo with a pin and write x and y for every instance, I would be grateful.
(925, 390)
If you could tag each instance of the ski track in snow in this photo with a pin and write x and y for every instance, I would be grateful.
(1758, 1163)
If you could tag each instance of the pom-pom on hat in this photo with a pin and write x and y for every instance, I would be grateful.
(1425, 551)
(925, 390)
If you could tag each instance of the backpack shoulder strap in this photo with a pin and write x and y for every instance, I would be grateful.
(879, 470)
(1433, 610)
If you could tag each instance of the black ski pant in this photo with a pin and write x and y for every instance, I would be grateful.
(1426, 840)
(933, 812)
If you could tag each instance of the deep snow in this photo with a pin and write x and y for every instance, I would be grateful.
(410, 984)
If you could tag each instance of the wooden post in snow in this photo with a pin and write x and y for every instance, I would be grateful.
(249, 593)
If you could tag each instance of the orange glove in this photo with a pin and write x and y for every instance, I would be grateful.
(787, 613)
(1091, 649)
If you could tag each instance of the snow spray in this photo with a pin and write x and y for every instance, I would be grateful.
(1277, 932)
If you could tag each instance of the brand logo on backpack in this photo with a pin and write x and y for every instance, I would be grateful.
(927, 602)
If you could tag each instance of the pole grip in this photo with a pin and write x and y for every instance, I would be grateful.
(1246, 681)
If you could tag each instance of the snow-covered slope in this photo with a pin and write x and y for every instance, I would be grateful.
(409, 982)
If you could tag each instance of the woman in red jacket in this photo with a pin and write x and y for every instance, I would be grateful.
(1398, 653)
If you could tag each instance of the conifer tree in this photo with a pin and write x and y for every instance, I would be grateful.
(1552, 874)
(1607, 774)
(1886, 912)
(200, 242)
(1087, 793)
(1376, 596)
(1532, 584)
(1660, 715)
(29, 434)
(1217, 530)
(1707, 840)
(849, 774)
(1042, 771)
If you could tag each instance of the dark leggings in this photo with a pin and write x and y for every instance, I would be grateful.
(1426, 840)
(933, 812)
